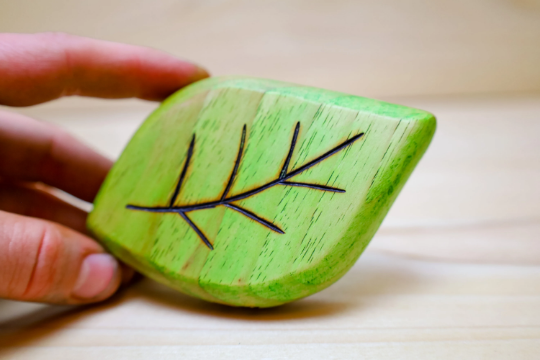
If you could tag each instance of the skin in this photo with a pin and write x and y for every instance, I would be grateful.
(45, 252)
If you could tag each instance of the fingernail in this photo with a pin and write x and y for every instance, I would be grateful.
(95, 275)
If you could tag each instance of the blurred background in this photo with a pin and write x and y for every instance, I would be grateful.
(371, 47)
(457, 261)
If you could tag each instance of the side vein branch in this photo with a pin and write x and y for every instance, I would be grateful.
(255, 217)
(236, 163)
(183, 173)
(324, 156)
(197, 230)
(291, 150)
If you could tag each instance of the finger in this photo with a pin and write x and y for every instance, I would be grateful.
(41, 67)
(46, 262)
(34, 151)
(32, 202)
(29, 201)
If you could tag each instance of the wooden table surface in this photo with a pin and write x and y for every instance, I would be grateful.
(454, 272)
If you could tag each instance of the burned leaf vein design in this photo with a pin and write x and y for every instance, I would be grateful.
(226, 201)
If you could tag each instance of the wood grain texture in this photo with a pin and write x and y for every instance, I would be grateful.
(201, 198)
(385, 307)
(452, 272)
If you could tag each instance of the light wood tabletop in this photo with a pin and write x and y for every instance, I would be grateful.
(454, 271)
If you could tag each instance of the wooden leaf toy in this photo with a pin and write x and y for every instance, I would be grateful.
(253, 192)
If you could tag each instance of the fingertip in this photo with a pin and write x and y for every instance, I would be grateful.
(199, 73)
(99, 277)
(168, 75)
(46, 262)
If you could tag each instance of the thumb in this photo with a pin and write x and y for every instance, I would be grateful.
(47, 262)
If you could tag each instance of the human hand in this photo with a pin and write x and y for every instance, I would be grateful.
(45, 254)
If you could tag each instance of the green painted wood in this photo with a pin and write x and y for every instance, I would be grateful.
(306, 238)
